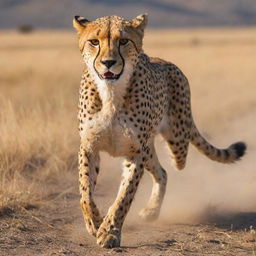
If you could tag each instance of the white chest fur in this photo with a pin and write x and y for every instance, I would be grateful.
(110, 135)
(106, 131)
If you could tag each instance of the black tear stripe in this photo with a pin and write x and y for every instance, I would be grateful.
(82, 50)
(135, 46)
(122, 60)
(95, 61)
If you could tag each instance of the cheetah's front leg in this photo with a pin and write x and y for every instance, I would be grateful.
(88, 172)
(109, 233)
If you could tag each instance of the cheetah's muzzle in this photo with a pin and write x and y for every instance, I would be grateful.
(109, 76)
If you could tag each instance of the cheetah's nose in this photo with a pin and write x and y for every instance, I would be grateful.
(108, 63)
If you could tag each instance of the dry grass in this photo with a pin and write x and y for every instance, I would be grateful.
(218, 62)
(39, 82)
(39, 79)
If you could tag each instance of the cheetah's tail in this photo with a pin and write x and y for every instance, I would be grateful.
(229, 155)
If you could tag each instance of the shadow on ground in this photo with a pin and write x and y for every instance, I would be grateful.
(240, 221)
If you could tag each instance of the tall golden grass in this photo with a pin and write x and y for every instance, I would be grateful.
(39, 89)
(39, 81)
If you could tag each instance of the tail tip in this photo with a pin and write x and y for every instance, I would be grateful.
(240, 149)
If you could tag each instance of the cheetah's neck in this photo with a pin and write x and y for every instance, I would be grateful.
(112, 93)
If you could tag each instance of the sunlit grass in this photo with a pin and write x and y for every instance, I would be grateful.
(39, 80)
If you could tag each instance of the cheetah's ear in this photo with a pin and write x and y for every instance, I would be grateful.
(140, 21)
(79, 23)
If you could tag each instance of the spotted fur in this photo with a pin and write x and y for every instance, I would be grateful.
(126, 99)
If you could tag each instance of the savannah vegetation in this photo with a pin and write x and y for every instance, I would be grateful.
(39, 80)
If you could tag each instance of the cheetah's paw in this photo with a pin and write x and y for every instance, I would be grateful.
(149, 214)
(109, 239)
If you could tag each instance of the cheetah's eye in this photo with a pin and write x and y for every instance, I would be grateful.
(123, 41)
(94, 42)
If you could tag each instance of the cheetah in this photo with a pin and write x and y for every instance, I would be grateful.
(126, 98)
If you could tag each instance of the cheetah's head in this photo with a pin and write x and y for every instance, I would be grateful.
(110, 45)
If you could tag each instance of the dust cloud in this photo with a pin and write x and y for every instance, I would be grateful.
(203, 190)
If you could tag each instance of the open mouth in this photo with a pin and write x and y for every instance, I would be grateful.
(110, 76)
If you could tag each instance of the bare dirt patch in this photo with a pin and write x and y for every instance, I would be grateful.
(57, 228)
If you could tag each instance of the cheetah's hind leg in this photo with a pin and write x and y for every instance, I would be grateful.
(177, 138)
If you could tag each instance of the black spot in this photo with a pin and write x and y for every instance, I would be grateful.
(240, 148)
(226, 153)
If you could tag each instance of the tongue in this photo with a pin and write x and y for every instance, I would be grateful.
(109, 74)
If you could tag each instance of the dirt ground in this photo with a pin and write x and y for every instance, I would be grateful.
(188, 225)
(209, 208)
(57, 228)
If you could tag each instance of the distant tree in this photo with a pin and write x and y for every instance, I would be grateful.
(25, 28)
